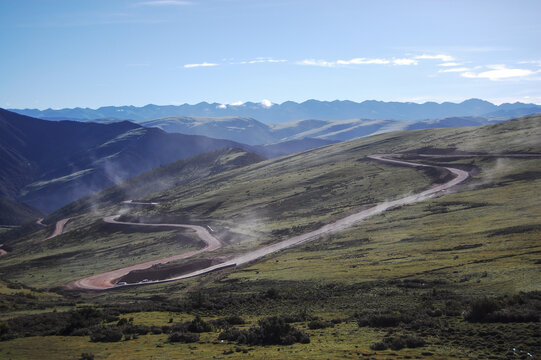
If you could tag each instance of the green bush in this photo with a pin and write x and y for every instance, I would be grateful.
(398, 342)
(480, 309)
(319, 324)
(183, 337)
(199, 325)
(270, 331)
(108, 334)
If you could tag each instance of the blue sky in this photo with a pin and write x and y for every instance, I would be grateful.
(117, 52)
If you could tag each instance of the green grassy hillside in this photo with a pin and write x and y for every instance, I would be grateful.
(453, 277)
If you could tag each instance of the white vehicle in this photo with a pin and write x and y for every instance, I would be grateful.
(122, 283)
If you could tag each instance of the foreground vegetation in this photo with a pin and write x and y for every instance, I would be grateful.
(454, 277)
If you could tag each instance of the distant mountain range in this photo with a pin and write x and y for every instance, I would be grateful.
(291, 111)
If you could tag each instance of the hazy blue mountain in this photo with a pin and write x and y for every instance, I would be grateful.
(290, 147)
(512, 112)
(253, 132)
(289, 110)
(244, 130)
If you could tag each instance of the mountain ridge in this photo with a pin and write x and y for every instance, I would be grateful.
(290, 110)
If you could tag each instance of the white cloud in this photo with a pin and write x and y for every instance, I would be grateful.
(238, 103)
(456, 69)
(362, 61)
(405, 61)
(205, 64)
(450, 64)
(222, 106)
(498, 72)
(442, 57)
(165, 3)
(312, 62)
(355, 61)
(535, 62)
(266, 103)
(262, 60)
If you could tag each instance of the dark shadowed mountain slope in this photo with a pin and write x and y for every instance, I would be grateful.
(48, 164)
(16, 213)
(163, 178)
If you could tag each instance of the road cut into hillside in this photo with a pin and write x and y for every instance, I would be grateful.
(58, 228)
(107, 280)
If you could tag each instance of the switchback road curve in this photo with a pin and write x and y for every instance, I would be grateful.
(106, 280)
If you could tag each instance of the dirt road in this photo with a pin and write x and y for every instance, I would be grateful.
(105, 280)
(58, 229)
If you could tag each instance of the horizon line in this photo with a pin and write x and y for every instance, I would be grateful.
(240, 104)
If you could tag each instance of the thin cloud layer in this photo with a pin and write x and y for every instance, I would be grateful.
(454, 70)
(205, 64)
(405, 61)
(441, 57)
(499, 72)
(261, 60)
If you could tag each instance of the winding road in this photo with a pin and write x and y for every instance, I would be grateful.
(58, 229)
(107, 280)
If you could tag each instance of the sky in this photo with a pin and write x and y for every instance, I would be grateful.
(92, 53)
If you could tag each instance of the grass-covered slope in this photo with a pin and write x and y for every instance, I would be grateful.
(454, 277)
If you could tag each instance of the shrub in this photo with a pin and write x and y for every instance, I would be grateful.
(199, 325)
(108, 334)
(183, 337)
(398, 343)
(227, 322)
(480, 309)
(382, 320)
(86, 356)
(319, 324)
(270, 331)
(378, 346)
(513, 315)
(135, 329)
(233, 334)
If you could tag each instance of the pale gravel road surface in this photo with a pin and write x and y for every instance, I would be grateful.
(58, 229)
(105, 281)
